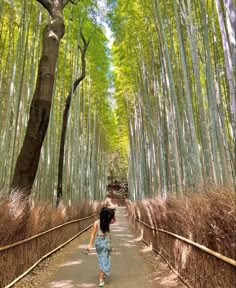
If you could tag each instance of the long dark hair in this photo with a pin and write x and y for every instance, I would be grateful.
(106, 215)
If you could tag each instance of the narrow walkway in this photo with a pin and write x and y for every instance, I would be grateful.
(133, 263)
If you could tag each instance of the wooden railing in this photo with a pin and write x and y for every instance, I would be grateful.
(17, 259)
(196, 265)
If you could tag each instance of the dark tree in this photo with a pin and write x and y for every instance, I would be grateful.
(28, 159)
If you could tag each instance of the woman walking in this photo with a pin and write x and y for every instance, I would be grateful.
(101, 229)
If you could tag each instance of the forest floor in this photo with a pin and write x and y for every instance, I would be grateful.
(133, 264)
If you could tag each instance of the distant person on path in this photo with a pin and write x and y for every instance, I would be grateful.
(101, 230)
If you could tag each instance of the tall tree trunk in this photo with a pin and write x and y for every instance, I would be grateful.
(28, 159)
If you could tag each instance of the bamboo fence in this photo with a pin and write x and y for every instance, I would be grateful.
(17, 259)
(196, 265)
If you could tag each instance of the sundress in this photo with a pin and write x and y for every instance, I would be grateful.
(103, 254)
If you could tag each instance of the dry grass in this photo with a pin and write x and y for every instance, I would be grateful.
(14, 215)
(20, 218)
(207, 217)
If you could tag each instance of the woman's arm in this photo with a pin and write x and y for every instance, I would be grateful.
(94, 231)
(113, 220)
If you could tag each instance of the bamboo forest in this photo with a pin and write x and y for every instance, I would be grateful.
(125, 107)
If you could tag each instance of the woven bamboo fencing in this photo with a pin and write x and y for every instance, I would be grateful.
(17, 258)
(196, 265)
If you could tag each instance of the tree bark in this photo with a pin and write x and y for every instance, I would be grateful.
(28, 159)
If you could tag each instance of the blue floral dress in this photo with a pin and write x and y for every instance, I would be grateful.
(103, 253)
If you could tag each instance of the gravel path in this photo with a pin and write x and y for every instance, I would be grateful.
(133, 264)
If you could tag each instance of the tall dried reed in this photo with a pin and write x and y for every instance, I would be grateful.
(207, 217)
(21, 218)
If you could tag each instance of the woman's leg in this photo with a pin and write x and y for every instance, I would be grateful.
(101, 276)
(103, 255)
